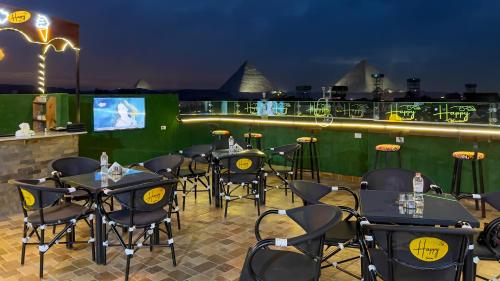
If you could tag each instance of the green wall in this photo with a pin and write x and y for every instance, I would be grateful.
(137, 145)
(18, 108)
(340, 152)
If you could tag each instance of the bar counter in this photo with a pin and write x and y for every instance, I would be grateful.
(29, 157)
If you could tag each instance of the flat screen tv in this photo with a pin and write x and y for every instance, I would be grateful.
(119, 113)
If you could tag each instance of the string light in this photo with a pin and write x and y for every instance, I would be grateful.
(441, 129)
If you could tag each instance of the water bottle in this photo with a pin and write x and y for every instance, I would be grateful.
(418, 183)
(104, 163)
(231, 144)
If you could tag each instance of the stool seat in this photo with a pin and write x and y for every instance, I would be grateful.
(253, 135)
(306, 139)
(220, 133)
(468, 155)
(388, 147)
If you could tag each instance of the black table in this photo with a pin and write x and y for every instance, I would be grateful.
(95, 182)
(382, 207)
(216, 156)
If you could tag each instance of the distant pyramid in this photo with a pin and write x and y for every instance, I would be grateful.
(247, 79)
(359, 79)
(142, 84)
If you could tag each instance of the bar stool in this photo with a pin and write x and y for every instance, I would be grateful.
(386, 149)
(221, 138)
(254, 136)
(473, 156)
(309, 142)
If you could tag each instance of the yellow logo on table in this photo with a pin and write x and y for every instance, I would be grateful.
(244, 164)
(19, 16)
(29, 199)
(154, 195)
(428, 249)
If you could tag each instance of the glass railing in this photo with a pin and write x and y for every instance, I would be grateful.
(436, 112)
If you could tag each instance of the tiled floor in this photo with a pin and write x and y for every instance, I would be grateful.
(208, 247)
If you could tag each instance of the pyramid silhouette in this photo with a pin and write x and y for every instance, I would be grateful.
(247, 79)
(359, 79)
(142, 84)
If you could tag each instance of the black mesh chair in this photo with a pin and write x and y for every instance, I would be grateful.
(343, 234)
(40, 211)
(72, 166)
(198, 171)
(284, 156)
(265, 263)
(143, 212)
(411, 253)
(487, 245)
(169, 167)
(241, 170)
(395, 179)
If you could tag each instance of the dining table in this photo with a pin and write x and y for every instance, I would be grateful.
(383, 207)
(95, 183)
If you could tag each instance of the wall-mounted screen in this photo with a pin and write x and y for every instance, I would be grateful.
(119, 113)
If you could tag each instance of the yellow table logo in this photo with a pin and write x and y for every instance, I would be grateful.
(154, 195)
(428, 249)
(19, 16)
(244, 164)
(29, 199)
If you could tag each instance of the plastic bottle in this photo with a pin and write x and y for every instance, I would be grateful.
(231, 144)
(104, 163)
(418, 183)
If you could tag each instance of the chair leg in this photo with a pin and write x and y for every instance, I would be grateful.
(474, 181)
(454, 190)
(399, 158)
(301, 161)
(170, 235)
(129, 246)
(23, 246)
(386, 160)
(256, 191)
(481, 188)
(178, 219)
(316, 160)
(184, 190)
(459, 176)
(377, 154)
(311, 159)
(92, 236)
(195, 188)
(41, 243)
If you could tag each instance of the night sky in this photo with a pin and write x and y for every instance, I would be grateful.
(200, 43)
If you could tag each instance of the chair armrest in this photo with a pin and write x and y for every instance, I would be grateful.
(352, 193)
(261, 217)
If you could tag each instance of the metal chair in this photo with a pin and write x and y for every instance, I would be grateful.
(284, 156)
(395, 179)
(40, 211)
(142, 208)
(169, 167)
(487, 244)
(343, 234)
(264, 263)
(411, 253)
(240, 170)
(72, 166)
(198, 155)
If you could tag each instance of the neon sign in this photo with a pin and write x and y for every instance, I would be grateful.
(42, 24)
(19, 17)
(454, 114)
(4, 16)
(404, 112)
